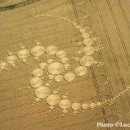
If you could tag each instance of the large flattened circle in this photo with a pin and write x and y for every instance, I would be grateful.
(55, 68)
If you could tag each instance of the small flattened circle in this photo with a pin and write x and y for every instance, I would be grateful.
(76, 106)
(36, 82)
(64, 104)
(69, 76)
(87, 41)
(37, 51)
(92, 105)
(60, 54)
(64, 60)
(55, 68)
(3, 65)
(85, 35)
(85, 106)
(49, 61)
(43, 65)
(37, 72)
(42, 92)
(51, 76)
(66, 66)
(11, 59)
(88, 50)
(80, 70)
(23, 54)
(86, 61)
(53, 99)
(50, 50)
(59, 78)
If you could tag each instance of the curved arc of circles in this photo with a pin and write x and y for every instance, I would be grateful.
(62, 105)
(74, 24)
(44, 109)
(91, 105)
(46, 15)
